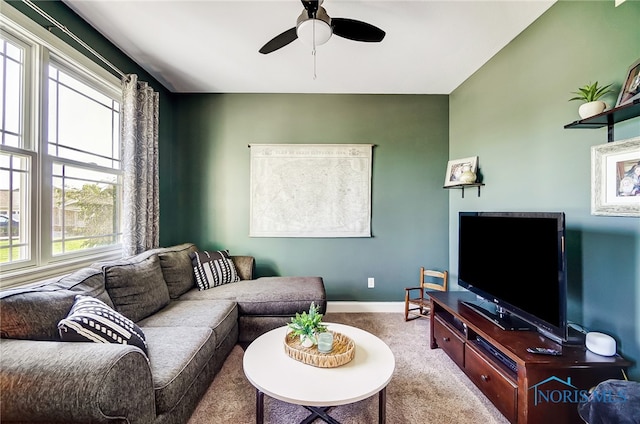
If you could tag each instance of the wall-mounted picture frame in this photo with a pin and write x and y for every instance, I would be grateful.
(631, 88)
(456, 167)
(615, 178)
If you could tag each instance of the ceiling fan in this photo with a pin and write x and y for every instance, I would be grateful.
(315, 27)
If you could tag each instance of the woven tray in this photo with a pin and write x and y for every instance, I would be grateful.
(344, 349)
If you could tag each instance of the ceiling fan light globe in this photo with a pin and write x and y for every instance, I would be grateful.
(314, 32)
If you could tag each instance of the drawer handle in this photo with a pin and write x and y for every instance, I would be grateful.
(484, 378)
(446, 339)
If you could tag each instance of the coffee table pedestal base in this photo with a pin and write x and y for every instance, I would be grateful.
(321, 411)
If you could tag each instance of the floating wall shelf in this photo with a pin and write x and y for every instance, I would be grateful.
(609, 118)
(463, 186)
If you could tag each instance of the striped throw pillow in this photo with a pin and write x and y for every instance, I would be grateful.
(91, 320)
(212, 269)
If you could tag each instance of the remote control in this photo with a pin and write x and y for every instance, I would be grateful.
(544, 351)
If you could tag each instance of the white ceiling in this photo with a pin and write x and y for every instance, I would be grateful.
(211, 46)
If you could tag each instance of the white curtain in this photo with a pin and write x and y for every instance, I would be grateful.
(140, 111)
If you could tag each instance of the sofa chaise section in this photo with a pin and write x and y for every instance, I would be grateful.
(267, 302)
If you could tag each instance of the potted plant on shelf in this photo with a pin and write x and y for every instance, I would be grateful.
(307, 326)
(590, 94)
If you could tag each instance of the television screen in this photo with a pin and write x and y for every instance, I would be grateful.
(517, 262)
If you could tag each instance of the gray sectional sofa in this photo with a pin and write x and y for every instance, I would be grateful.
(189, 333)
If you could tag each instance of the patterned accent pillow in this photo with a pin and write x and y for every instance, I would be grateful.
(212, 269)
(91, 320)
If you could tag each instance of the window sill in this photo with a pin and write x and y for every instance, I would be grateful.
(34, 274)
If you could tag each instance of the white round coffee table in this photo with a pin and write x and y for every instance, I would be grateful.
(272, 372)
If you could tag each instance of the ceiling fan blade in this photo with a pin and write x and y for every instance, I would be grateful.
(311, 6)
(356, 30)
(279, 41)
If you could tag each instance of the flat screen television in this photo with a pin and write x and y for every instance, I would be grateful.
(515, 262)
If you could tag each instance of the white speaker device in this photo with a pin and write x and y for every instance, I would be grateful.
(600, 343)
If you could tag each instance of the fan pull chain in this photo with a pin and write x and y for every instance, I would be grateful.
(314, 63)
(313, 50)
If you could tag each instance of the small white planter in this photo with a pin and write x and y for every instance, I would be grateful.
(306, 341)
(589, 109)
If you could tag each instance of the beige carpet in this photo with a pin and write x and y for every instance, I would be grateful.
(427, 387)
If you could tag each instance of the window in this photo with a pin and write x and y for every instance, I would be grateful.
(84, 148)
(60, 168)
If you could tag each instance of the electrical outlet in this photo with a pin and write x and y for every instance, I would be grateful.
(370, 282)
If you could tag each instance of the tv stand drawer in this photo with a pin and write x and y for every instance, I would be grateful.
(499, 388)
(447, 339)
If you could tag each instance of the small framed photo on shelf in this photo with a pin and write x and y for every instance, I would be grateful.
(615, 178)
(456, 167)
(631, 88)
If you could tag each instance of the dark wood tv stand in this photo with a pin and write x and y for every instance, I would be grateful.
(542, 389)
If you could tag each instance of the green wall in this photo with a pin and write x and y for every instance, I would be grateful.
(210, 204)
(511, 114)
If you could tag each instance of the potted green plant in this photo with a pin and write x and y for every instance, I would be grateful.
(590, 94)
(307, 325)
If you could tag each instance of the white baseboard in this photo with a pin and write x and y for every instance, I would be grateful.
(365, 307)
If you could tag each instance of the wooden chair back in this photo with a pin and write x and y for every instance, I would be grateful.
(439, 279)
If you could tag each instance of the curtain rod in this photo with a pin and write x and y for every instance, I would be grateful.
(73, 36)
